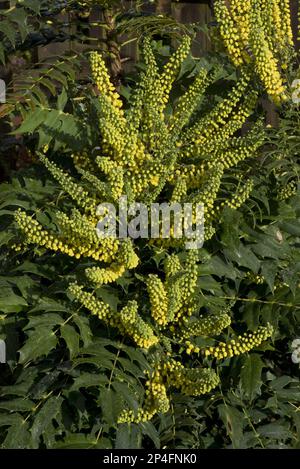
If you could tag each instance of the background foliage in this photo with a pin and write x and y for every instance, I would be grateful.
(66, 381)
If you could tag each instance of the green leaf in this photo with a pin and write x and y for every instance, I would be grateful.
(10, 419)
(9, 31)
(292, 227)
(274, 430)
(243, 256)
(44, 418)
(87, 380)
(62, 100)
(18, 437)
(149, 430)
(111, 405)
(128, 437)
(269, 271)
(251, 375)
(48, 320)
(83, 324)
(234, 422)
(10, 302)
(48, 304)
(18, 16)
(71, 338)
(35, 119)
(82, 441)
(34, 5)
(18, 405)
(40, 343)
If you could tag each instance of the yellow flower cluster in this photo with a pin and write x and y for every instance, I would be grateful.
(236, 150)
(266, 64)
(127, 255)
(102, 276)
(127, 320)
(67, 244)
(257, 279)
(115, 176)
(170, 72)
(207, 126)
(81, 232)
(101, 187)
(224, 134)
(170, 374)
(158, 300)
(102, 80)
(190, 175)
(212, 324)
(180, 190)
(241, 195)
(75, 190)
(194, 382)
(172, 265)
(136, 327)
(230, 32)
(156, 401)
(288, 191)
(191, 381)
(258, 32)
(187, 103)
(181, 288)
(82, 161)
(94, 305)
(240, 345)
(207, 195)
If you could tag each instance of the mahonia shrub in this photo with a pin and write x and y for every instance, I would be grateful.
(149, 154)
(259, 32)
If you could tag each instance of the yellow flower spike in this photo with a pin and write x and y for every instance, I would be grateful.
(241, 345)
(158, 300)
(102, 80)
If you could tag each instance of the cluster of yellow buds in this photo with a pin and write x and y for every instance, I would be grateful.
(71, 245)
(240, 345)
(258, 32)
(188, 102)
(170, 72)
(156, 401)
(94, 305)
(127, 255)
(80, 231)
(288, 191)
(170, 374)
(255, 278)
(181, 287)
(75, 190)
(82, 161)
(241, 195)
(103, 82)
(236, 150)
(213, 324)
(196, 381)
(172, 265)
(158, 300)
(180, 190)
(191, 381)
(128, 321)
(115, 176)
(141, 332)
(102, 276)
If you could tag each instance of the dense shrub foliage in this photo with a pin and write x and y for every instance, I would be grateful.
(122, 343)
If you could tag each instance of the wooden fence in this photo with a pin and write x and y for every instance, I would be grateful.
(190, 11)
